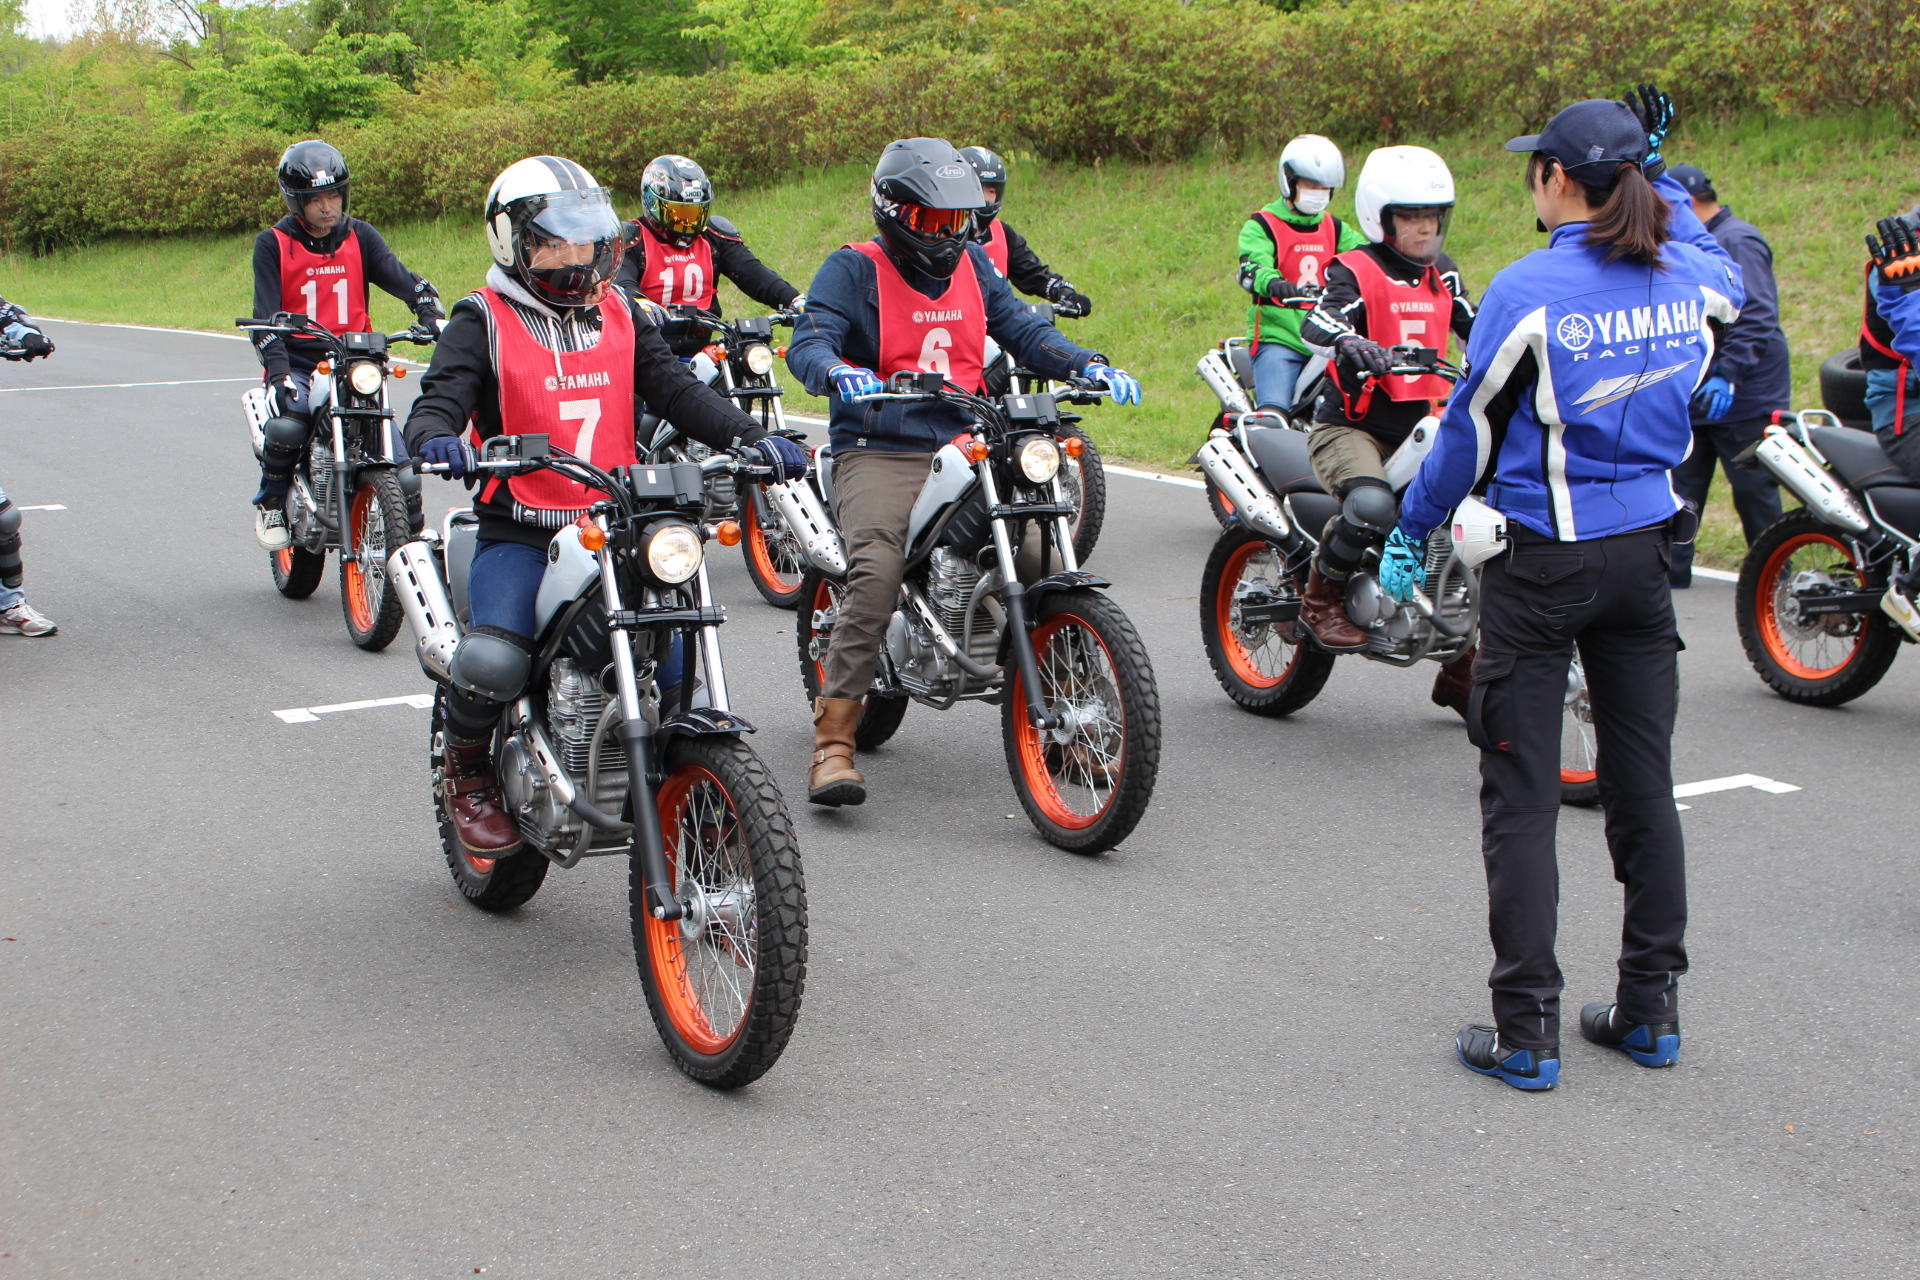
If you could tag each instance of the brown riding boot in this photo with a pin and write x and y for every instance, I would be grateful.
(1323, 611)
(1453, 684)
(480, 821)
(834, 781)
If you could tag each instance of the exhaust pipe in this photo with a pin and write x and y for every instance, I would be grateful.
(1218, 375)
(806, 518)
(1790, 462)
(1234, 476)
(258, 404)
(413, 573)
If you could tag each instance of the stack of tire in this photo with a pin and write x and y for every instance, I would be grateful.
(1843, 389)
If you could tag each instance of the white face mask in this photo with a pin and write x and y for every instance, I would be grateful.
(1311, 202)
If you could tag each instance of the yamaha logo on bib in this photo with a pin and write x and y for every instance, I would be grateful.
(1632, 331)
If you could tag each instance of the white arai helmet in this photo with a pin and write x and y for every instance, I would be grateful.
(1402, 179)
(1316, 159)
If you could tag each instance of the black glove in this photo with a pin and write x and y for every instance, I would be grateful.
(1068, 300)
(1654, 110)
(1287, 291)
(1896, 252)
(785, 456)
(451, 452)
(287, 401)
(1362, 355)
(36, 345)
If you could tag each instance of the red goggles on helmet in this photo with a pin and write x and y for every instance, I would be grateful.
(921, 220)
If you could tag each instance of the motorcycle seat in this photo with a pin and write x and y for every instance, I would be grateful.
(1281, 455)
(1311, 509)
(1858, 458)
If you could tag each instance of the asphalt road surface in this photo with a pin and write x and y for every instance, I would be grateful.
(250, 1028)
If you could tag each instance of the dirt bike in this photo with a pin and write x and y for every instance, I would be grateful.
(739, 364)
(596, 760)
(1260, 653)
(1083, 478)
(350, 494)
(1808, 601)
(1079, 710)
(1228, 372)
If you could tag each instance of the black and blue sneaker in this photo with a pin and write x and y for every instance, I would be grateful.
(1651, 1044)
(1531, 1069)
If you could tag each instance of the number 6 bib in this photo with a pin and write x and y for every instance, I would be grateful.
(945, 335)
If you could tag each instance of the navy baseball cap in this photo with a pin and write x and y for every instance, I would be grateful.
(1694, 179)
(1588, 139)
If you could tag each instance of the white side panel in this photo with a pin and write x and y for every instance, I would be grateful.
(950, 478)
(571, 568)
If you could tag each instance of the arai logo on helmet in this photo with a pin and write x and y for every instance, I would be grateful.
(1575, 332)
(950, 172)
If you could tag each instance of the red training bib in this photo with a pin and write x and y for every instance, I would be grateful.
(996, 247)
(945, 335)
(1400, 315)
(1301, 256)
(330, 287)
(677, 277)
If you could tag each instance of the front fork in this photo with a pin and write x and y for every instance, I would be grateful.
(1014, 592)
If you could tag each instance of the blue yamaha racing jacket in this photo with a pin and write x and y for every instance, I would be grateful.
(1578, 379)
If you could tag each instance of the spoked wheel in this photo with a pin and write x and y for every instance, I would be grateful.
(723, 982)
(376, 524)
(881, 714)
(1264, 664)
(491, 884)
(297, 571)
(1579, 755)
(774, 557)
(1085, 781)
(1821, 659)
(1083, 481)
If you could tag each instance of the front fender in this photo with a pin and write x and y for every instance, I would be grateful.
(1067, 581)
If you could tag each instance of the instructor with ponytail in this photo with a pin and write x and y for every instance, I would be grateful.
(1574, 410)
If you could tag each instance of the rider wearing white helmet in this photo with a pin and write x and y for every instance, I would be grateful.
(1284, 252)
(1398, 290)
(547, 347)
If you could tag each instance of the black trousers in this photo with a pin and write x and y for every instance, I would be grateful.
(1610, 597)
(1756, 494)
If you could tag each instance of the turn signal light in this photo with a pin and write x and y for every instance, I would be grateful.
(593, 537)
(781, 352)
(976, 450)
(325, 366)
(1074, 446)
(398, 371)
(727, 533)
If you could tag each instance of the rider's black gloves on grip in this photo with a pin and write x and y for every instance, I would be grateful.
(1362, 355)
(1896, 252)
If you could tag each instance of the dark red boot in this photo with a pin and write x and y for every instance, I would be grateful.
(480, 821)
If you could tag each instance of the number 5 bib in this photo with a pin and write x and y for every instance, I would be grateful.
(583, 399)
(945, 335)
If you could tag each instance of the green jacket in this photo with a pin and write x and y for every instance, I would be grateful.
(1279, 324)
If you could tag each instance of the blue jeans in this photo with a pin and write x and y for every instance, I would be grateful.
(1883, 390)
(503, 585)
(1276, 370)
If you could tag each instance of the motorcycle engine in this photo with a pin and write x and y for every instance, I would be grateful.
(951, 581)
(575, 703)
(1391, 627)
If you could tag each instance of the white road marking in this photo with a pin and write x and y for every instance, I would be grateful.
(308, 715)
(145, 328)
(1737, 782)
(54, 507)
(116, 386)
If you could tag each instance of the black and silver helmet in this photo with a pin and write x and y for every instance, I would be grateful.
(312, 168)
(992, 172)
(675, 197)
(924, 197)
(545, 201)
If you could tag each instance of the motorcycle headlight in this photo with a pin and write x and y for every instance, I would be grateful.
(364, 377)
(673, 553)
(1039, 459)
(759, 358)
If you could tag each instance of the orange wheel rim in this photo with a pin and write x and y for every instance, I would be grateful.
(481, 866)
(1226, 503)
(763, 561)
(1240, 657)
(704, 966)
(283, 560)
(823, 602)
(1093, 759)
(357, 602)
(1575, 777)
(1768, 596)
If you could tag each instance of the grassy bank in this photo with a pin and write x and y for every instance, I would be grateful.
(1152, 244)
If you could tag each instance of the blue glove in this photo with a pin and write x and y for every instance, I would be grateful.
(787, 458)
(451, 452)
(1402, 565)
(854, 383)
(1714, 398)
(1125, 387)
